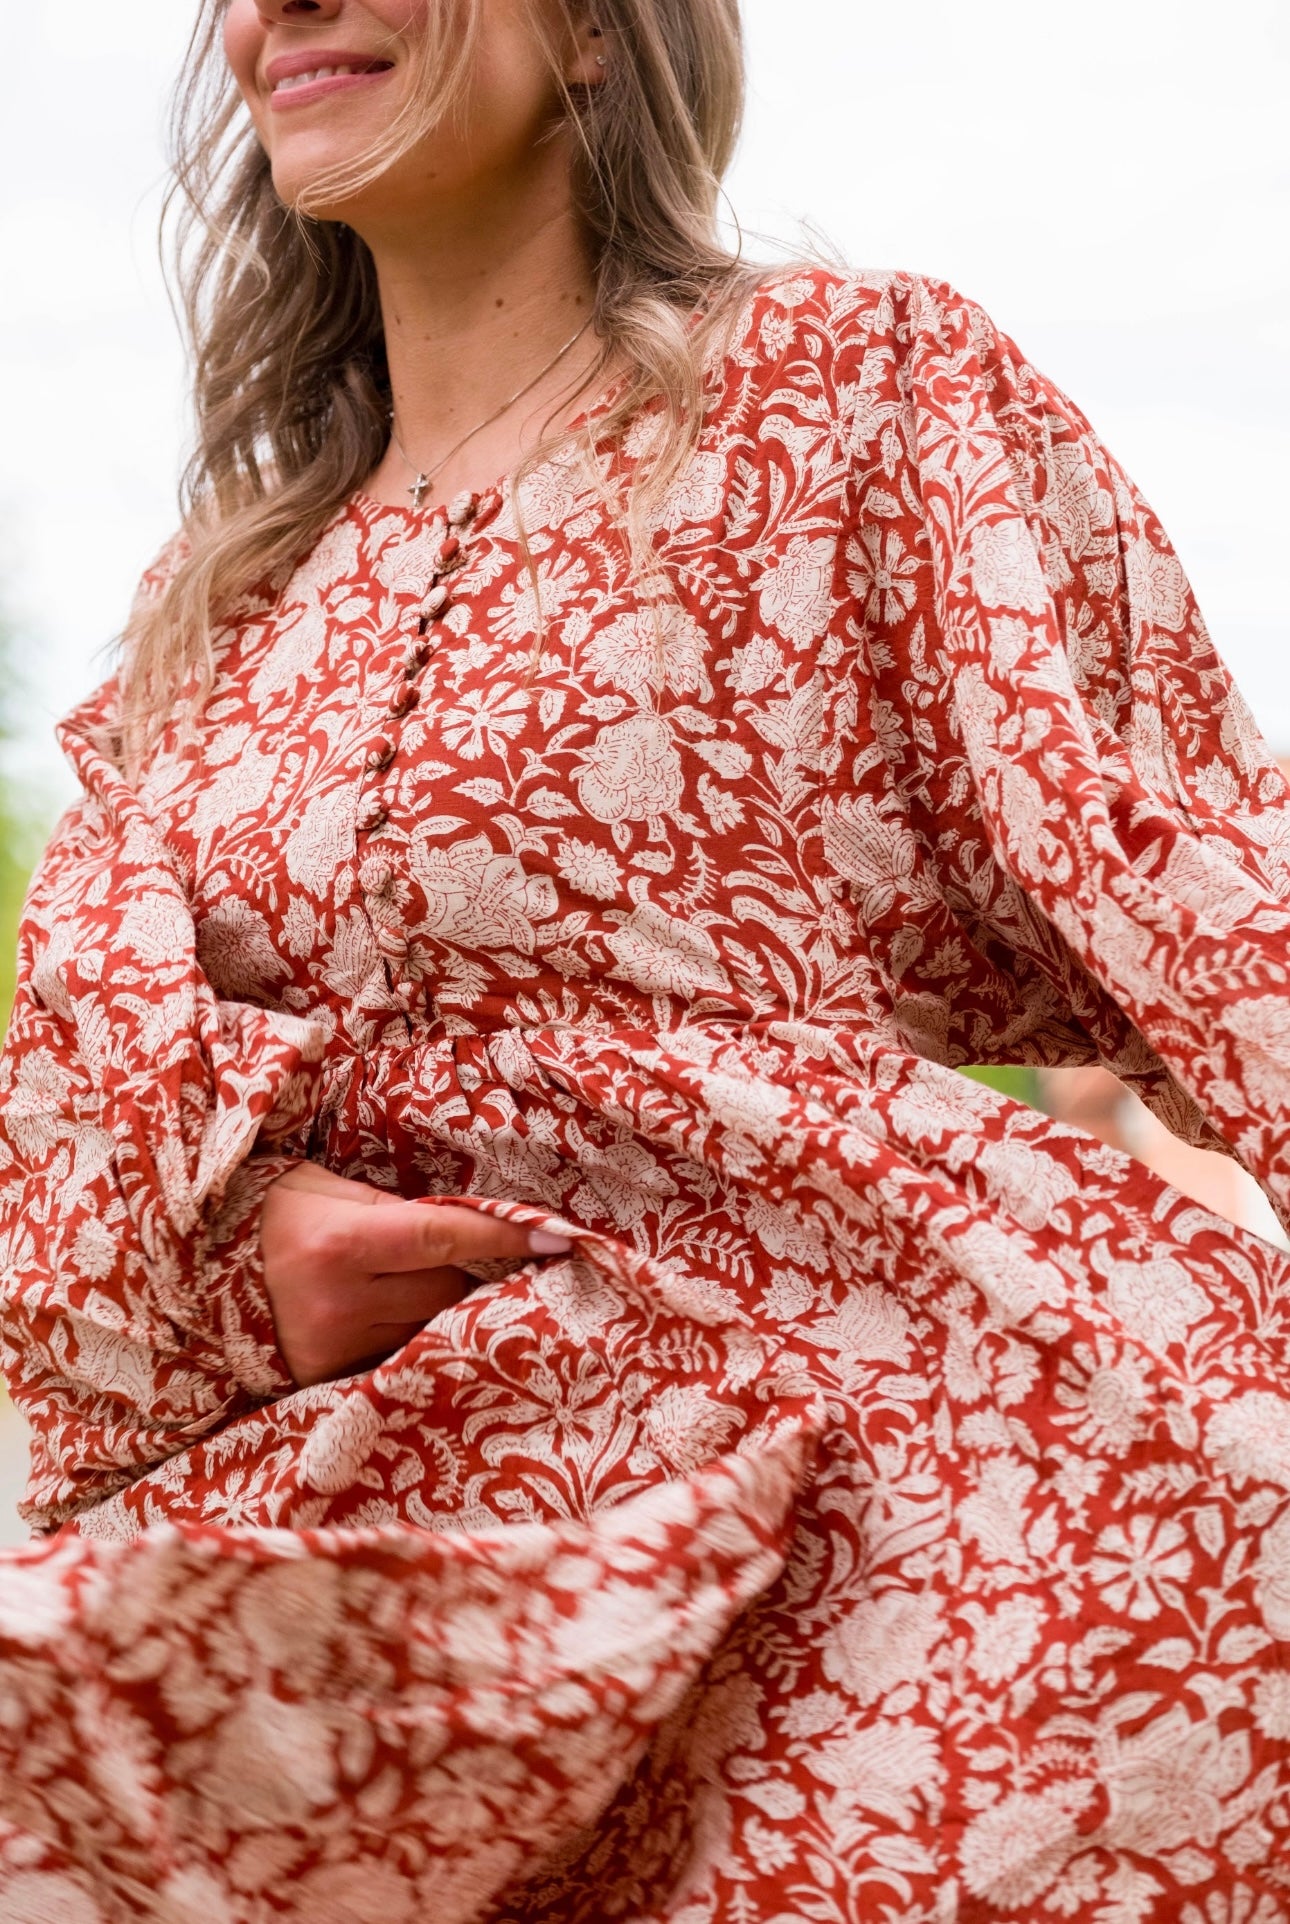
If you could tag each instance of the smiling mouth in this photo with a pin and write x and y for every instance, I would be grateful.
(350, 70)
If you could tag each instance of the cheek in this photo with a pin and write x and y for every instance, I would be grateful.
(401, 16)
(513, 94)
(243, 43)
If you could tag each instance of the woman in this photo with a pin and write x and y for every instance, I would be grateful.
(776, 1478)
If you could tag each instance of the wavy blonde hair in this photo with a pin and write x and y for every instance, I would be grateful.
(291, 386)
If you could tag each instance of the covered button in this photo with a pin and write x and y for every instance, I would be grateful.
(449, 551)
(380, 752)
(375, 816)
(461, 509)
(404, 700)
(375, 875)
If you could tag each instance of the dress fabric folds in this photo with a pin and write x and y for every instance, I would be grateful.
(885, 1513)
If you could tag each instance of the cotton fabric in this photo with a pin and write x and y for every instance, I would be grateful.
(885, 1512)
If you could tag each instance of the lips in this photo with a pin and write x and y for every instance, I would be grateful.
(296, 78)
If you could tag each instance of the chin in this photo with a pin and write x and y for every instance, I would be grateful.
(303, 167)
(303, 188)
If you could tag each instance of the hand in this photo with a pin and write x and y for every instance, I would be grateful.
(352, 1273)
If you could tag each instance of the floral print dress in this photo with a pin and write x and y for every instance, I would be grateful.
(885, 1512)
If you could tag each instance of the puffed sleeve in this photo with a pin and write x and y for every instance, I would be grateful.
(139, 1122)
(1053, 808)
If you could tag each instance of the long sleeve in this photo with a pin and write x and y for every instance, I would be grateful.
(140, 1118)
(1052, 805)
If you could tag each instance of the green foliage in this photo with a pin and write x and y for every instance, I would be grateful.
(14, 870)
(1020, 1083)
(22, 827)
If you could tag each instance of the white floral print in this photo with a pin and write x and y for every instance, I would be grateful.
(884, 1512)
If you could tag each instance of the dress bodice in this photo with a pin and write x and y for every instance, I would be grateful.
(446, 780)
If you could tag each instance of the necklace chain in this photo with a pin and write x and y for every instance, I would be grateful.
(425, 476)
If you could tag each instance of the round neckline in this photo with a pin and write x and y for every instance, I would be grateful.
(499, 489)
(360, 498)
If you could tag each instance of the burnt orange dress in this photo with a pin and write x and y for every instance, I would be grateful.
(885, 1512)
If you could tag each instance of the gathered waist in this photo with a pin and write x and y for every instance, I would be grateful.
(461, 1068)
(460, 1090)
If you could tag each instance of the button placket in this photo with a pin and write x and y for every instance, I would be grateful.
(451, 556)
(447, 529)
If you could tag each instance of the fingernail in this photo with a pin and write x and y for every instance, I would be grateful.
(543, 1243)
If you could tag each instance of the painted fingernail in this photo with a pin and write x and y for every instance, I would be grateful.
(543, 1243)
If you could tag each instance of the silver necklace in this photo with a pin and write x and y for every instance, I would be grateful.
(425, 476)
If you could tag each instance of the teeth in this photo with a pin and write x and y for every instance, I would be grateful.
(318, 73)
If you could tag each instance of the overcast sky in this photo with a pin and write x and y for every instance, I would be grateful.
(1110, 178)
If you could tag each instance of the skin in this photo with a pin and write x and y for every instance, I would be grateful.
(481, 263)
(352, 1273)
(483, 275)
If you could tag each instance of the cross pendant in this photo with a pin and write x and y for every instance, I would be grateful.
(418, 489)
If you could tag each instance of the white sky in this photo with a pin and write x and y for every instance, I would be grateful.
(1110, 178)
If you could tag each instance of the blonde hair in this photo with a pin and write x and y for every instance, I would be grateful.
(290, 380)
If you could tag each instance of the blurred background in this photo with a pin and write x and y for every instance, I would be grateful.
(1110, 179)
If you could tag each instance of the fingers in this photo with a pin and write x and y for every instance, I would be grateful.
(314, 1179)
(372, 1322)
(421, 1236)
(409, 1300)
(332, 1328)
(353, 1273)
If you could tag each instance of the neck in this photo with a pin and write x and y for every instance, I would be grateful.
(473, 305)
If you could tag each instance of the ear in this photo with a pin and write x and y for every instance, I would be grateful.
(589, 55)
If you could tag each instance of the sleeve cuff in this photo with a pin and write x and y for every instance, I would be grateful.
(230, 1281)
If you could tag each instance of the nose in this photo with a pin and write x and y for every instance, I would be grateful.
(274, 11)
